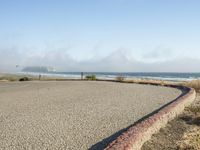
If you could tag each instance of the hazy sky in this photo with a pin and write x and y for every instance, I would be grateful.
(101, 35)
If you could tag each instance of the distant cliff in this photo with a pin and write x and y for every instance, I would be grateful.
(38, 69)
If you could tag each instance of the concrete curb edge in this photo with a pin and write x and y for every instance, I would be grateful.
(137, 135)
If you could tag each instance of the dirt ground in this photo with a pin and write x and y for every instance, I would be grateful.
(182, 133)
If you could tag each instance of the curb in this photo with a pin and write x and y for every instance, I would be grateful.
(137, 135)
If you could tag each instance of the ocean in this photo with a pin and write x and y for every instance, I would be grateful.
(130, 75)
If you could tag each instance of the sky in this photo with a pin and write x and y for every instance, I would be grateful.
(101, 35)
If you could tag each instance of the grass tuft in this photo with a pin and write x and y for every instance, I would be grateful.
(190, 140)
(194, 109)
(194, 84)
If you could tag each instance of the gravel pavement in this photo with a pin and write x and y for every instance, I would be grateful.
(72, 115)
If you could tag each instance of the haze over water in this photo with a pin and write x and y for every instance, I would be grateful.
(100, 35)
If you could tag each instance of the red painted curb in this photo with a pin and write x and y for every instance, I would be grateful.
(137, 135)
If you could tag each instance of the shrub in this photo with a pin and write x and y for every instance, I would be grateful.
(24, 79)
(91, 77)
(120, 78)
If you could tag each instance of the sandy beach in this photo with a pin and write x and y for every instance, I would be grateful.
(73, 114)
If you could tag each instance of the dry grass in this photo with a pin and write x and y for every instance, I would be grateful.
(154, 82)
(190, 140)
(9, 78)
(15, 77)
(193, 109)
(120, 78)
(194, 84)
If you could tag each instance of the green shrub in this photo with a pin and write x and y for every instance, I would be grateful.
(90, 77)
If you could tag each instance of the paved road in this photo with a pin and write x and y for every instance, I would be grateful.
(72, 115)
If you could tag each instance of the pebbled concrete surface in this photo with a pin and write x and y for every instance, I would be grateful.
(72, 114)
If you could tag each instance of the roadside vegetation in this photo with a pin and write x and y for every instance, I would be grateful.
(120, 78)
(24, 79)
(194, 84)
(91, 77)
(191, 138)
(8, 78)
(13, 78)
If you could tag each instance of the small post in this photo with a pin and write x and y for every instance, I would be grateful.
(39, 76)
(81, 75)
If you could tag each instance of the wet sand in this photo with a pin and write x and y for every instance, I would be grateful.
(72, 114)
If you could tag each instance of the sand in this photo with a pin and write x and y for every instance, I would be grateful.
(74, 115)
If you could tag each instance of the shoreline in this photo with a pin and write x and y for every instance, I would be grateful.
(107, 76)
